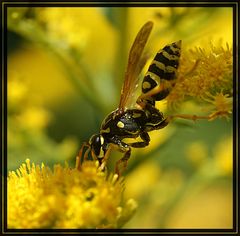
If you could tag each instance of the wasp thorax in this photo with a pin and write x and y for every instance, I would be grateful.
(96, 142)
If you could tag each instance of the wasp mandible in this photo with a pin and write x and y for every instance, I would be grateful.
(135, 119)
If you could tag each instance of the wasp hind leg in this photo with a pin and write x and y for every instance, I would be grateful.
(187, 117)
(157, 93)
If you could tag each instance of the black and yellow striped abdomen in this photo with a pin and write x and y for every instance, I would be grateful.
(163, 68)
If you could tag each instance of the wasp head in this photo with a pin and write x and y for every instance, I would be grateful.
(96, 143)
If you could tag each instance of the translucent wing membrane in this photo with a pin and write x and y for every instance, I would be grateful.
(135, 64)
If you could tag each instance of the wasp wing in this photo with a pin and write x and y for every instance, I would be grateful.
(134, 67)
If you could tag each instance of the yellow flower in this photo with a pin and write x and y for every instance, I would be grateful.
(203, 73)
(221, 105)
(36, 117)
(66, 198)
(63, 24)
(82, 29)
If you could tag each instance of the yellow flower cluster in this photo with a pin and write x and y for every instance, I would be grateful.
(205, 75)
(71, 27)
(67, 18)
(220, 104)
(66, 198)
(21, 109)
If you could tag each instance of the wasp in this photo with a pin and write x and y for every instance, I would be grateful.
(135, 119)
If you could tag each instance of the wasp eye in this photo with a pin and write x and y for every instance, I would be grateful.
(96, 142)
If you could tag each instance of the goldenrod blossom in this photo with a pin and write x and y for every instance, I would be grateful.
(66, 198)
(205, 75)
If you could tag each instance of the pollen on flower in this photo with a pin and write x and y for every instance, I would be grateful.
(65, 198)
(203, 72)
(221, 105)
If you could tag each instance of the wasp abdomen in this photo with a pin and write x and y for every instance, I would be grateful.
(163, 68)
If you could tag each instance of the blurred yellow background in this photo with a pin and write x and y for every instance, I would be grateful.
(65, 71)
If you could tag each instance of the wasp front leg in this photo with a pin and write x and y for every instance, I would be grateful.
(124, 148)
(80, 155)
(102, 161)
(123, 161)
